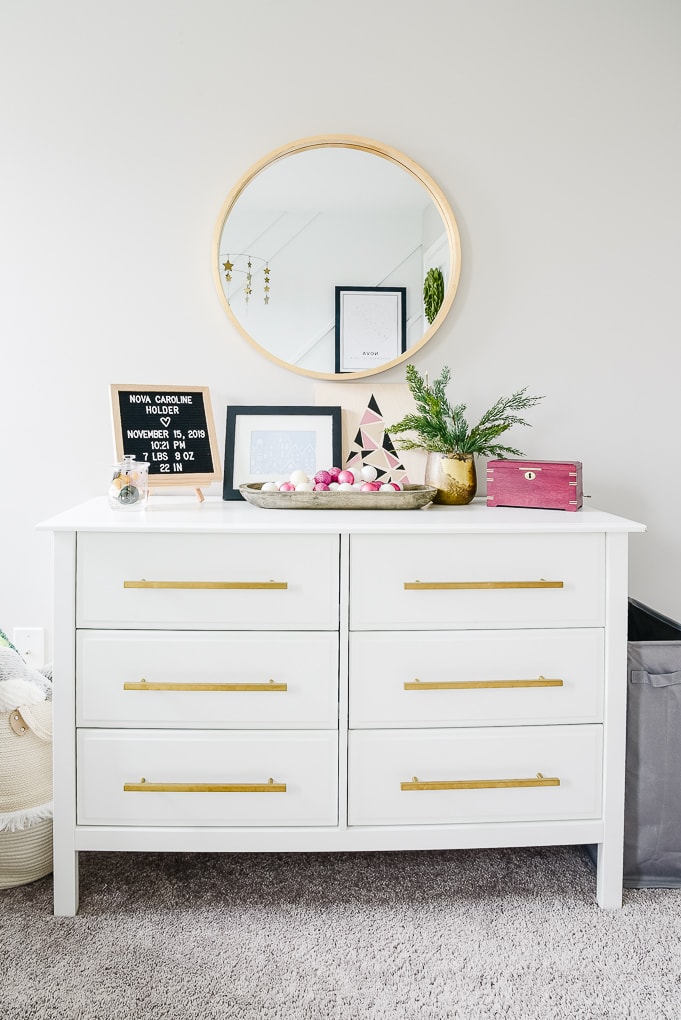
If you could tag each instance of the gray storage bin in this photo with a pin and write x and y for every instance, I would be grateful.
(652, 806)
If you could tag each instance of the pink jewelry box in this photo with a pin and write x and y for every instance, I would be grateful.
(543, 484)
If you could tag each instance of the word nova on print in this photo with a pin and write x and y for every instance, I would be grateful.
(373, 445)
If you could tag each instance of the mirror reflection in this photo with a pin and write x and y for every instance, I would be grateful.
(321, 255)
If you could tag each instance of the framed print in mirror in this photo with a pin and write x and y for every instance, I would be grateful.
(371, 326)
(266, 444)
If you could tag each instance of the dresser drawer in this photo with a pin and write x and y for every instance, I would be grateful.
(387, 769)
(302, 766)
(157, 678)
(475, 678)
(208, 581)
(431, 582)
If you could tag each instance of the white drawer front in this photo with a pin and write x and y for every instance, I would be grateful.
(208, 581)
(305, 763)
(380, 761)
(153, 678)
(474, 678)
(480, 581)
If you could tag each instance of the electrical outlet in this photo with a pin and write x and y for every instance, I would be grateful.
(30, 643)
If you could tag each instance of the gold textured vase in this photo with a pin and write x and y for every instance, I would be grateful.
(454, 477)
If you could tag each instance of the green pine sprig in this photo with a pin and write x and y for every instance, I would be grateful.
(441, 427)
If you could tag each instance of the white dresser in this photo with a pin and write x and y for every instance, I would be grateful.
(235, 679)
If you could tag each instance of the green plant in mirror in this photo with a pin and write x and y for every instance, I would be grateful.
(433, 292)
(441, 427)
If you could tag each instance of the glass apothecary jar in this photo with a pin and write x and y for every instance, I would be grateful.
(129, 487)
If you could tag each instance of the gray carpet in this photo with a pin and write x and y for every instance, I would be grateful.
(458, 934)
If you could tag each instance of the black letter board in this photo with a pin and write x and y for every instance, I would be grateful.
(170, 427)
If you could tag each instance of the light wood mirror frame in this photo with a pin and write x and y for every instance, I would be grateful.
(433, 191)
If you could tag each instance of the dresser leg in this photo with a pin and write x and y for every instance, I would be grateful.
(65, 883)
(609, 875)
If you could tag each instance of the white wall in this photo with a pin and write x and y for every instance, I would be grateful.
(553, 128)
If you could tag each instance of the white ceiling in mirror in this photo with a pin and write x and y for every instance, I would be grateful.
(325, 213)
(334, 178)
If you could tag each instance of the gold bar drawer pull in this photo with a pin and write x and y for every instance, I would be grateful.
(210, 585)
(476, 685)
(479, 585)
(146, 685)
(480, 784)
(145, 787)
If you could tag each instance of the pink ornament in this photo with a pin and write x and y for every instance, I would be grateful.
(287, 487)
(321, 486)
(346, 476)
(334, 472)
(323, 477)
(369, 487)
(397, 486)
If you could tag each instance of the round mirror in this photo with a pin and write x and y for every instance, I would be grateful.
(337, 257)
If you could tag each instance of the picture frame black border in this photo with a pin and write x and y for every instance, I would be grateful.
(234, 411)
(402, 291)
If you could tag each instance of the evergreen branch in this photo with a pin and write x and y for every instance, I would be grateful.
(442, 428)
(501, 452)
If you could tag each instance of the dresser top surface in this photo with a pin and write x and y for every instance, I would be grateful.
(185, 514)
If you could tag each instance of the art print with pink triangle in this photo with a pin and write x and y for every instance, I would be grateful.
(368, 411)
